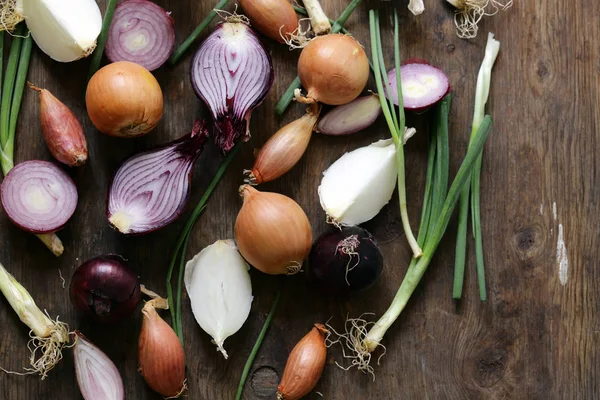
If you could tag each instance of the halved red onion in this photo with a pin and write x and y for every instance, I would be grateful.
(97, 376)
(232, 73)
(150, 189)
(38, 196)
(141, 32)
(350, 118)
(423, 85)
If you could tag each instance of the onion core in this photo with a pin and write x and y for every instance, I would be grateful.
(38, 196)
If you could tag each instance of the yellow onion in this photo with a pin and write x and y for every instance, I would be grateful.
(334, 69)
(304, 365)
(160, 353)
(284, 149)
(276, 19)
(124, 99)
(272, 232)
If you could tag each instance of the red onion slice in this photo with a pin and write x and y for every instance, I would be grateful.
(38, 196)
(232, 73)
(150, 189)
(423, 85)
(140, 32)
(350, 118)
(97, 376)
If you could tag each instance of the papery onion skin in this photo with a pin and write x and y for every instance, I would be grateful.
(97, 376)
(37, 181)
(134, 205)
(304, 366)
(210, 74)
(272, 232)
(275, 19)
(352, 117)
(140, 20)
(161, 357)
(334, 69)
(124, 99)
(105, 289)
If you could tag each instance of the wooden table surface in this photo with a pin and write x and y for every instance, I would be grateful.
(537, 336)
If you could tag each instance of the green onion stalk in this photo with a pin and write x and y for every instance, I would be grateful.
(10, 105)
(396, 123)
(438, 205)
(481, 96)
(101, 42)
(178, 257)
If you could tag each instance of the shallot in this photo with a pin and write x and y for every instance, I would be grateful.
(232, 73)
(220, 290)
(151, 189)
(350, 118)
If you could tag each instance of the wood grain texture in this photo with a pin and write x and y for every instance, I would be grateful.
(535, 338)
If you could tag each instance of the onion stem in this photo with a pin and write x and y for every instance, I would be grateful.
(395, 123)
(288, 96)
(181, 246)
(194, 35)
(302, 10)
(7, 91)
(256, 347)
(318, 18)
(101, 42)
(473, 190)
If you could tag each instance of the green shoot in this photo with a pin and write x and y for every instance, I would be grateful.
(481, 96)
(101, 42)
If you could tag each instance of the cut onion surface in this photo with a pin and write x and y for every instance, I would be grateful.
(423, 85)
(150, 189)
(232, 73)
(141, 32)
(350, 118)
(38, 196)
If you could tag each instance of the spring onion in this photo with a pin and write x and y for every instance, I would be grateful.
(99, 51)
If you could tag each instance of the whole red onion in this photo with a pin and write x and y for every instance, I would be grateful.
(105, 289)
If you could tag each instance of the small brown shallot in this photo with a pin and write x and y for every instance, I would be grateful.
(304, 365)
(276, 19)
(350, 118)
(284, 149)
(272, 232)
(160, 353)
(62, 131)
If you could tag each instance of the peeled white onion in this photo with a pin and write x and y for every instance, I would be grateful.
(66, 30)
(220, 290)
(360, 183)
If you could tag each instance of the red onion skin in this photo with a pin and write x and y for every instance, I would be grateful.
(227, 126)
(190, 145)
(3, 194)
(105, 289)
(113, 43)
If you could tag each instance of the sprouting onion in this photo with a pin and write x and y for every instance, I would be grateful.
(362, 344)
(396, 123)
(177, 54)
(181, 246)
(481, 96)
(337, 27)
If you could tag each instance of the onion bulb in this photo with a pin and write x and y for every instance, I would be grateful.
(272, 232)
(276, 19)
(334, 69)
(357, 186)
(124, 99)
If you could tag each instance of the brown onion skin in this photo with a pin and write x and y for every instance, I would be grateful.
(334, 69)
(124, 99)
(304, 366)
(272, 232)
(62, 131)
(272, 18)
(160, 354)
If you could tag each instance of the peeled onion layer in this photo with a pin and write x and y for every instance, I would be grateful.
(359, 184)
(141, 32)
(220, 291)
(66, 30)
(423, 85)
(151, 189)
(350, 118)
(231, 72)
(38, 196)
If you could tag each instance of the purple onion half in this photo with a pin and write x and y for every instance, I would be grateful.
(151, 189)
(232, 73)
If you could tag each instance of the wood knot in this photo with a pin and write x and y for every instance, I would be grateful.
(264, 381)
(528, 244)
(525, 238)
(491, 365)
(542, 70)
